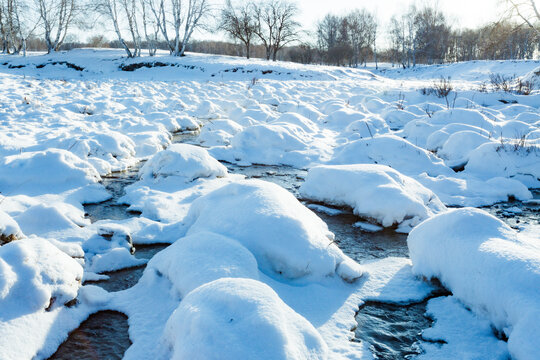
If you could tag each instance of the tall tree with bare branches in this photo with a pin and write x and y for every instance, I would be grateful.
(239, 23)
(275, 25)
(56, 17)
(526, 11)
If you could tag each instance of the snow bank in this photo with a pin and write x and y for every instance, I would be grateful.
(44, 172)
(202, 257)
(488, 266)
(392, 151)
(374, 191)
(284, 236)
(240, 319)
(182, 160)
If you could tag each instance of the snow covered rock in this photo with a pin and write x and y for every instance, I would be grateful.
(375, 191)
(203, 257)
(9, 229)
(44, 172)
(488, 266)
(392, 151)
(240, 319)
(185, 161)
(284, 236)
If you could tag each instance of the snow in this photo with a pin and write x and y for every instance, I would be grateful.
(214, 256)
(184, 161)
(44, 172)
(8, 227)
(510, 161)
(392, 151)
(489, 267)
(465, 335)
(373, 191)
(36, 279)
(286, 238)
(240, 319)
(368, 139)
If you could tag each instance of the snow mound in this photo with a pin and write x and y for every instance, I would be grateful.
(284, 236)
(9, 229)
(488, 266)
(44, 172)
(185, 161)
(240, 319)
(506, 160)
(459, 145)
(374, 191)
(270, 144)
(35, 275)
(203, 257)
(392, 151)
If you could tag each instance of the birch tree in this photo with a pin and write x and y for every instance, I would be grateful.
(56, 17)
(177, 19)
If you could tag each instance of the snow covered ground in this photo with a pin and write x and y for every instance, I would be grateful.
(252, 271)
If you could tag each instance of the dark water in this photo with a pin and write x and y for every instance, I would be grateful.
(115, 184)
(518, 214)
(285, 176)
(104, 335)
(125, 278)
(392, 330)
(361, 245)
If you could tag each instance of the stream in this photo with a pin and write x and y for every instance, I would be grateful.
(393, 331)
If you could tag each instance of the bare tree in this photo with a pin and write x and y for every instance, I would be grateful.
(286, 26)
(181, 17)
(239, 23)
(151, 37)
(17, 23)
(275, 25)
(526, 11)
(115, 11)
(56, 17)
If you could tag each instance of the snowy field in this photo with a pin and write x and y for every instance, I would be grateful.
(252, 271)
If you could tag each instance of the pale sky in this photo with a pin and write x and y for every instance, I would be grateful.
(460, 13)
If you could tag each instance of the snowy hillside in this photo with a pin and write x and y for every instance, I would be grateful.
(278, 198)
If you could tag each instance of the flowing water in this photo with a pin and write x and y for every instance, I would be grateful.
(391, 330)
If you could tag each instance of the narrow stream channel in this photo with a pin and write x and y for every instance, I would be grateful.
(392, 330)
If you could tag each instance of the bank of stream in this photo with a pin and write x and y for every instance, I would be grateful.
(392, 330)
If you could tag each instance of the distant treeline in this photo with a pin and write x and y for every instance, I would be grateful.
(266, 29)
